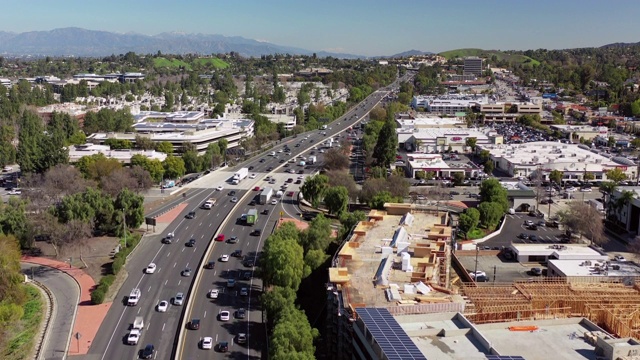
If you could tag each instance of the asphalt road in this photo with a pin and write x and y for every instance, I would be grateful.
(160, 328)
(66, 294)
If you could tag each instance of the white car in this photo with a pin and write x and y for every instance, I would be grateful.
(15, 192)
(151, 268)
(133, 337)
(179, 299)
(252, 176)
(244, 291)
(224, 258)
(586, 190)
(224, 315)
(207, 343)
(220, 188)
(274, 202)
(7, 169)
(619, 258)
(477, 273)
(163, 306)
(234, 199)
(242, 338)
(570, 189)
(213, 293)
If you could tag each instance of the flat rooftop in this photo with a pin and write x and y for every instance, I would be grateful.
(585, 268)
(497, 269)
(562, 252)
(581, 128)
(429, 121)
(450, 336)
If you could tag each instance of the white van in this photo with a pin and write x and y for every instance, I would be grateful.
(279, 194)
(138, 323)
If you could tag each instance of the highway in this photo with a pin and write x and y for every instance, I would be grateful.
(171, 259)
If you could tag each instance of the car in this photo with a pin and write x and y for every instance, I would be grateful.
(231, 283)
(289, 180)
(236, 253)
(234, 199)
(542, 223)
(147, 352)
(150, 269)
(287, 165)
(133, 337)
(585, 189)
(190, 243)
(252, 203)
(244, 291)
(477, 273)
(232, 193)
(163, 306)
(186, 272)
(246, 275)
(241, 313)
(533, 227)
(536, 271)
(290, 193)
(619, 258)
(213, 294)
(223, 315)
(528, 222)
(249, 263)
(274, 201)
(523, 236)
(534, 238)
(241, 338)
(220, 188)
(270, 168)
(7, 169)
(233, 240)
(210, 265)
(220, 237)
(298, 182)
(179, 299)
(206, 343)
(191, 215)
(223, 346)
(15, 192)
(252, 176)
(194, 324)
(256, 232)
(570, 189)
(262, 160)
(257, 188)
(224, 258)
(250, 167)
(282, 161)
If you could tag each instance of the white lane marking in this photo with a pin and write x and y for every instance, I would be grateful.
(205, 314)
(179, 281)
(163, 325)
(168, 254)
(139, 310)
(166, 281)
(149, 289)
(174, 264)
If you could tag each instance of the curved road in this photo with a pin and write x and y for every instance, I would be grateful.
(66, 294)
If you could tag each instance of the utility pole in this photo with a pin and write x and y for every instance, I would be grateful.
(124, 228)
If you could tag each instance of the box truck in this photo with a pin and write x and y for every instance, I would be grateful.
(252, 216)
(312, 159)
(265, 195)
(240, 175)
(209, 203)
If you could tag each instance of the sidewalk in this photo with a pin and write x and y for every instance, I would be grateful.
(88, 317)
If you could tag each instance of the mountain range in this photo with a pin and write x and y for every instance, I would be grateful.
(74, 41)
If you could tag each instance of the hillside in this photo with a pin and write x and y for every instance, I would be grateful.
(515, 58)
(175, 63)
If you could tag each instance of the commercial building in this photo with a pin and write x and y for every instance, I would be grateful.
(396, 259)
(629, 213)
(576, 132)
(200, 134)
(524, 160)
(594, 270)
(124, 155)
(436, 164)
(416, 121)
(436, 140)
(508, 111)
(74, 110)
(123, 77)
(448, 104)
(525, 253)
(473, 65)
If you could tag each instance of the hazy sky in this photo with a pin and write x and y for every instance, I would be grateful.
(364, 27)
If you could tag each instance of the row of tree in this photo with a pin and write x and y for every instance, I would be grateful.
(494, 204)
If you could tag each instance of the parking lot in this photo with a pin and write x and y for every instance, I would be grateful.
(515, 225)
(496, 268)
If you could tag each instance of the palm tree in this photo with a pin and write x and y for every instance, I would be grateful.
(607, 188)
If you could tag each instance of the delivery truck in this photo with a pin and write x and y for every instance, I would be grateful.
(252, 216)
(240, 175)
(209, 203)
(312, 159)
(265, 195)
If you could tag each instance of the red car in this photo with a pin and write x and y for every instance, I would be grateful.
(220, 237)
(398, 157)
(257, 188)
(290, 193)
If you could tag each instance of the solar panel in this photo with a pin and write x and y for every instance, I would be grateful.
(389, 335)
(504, 357)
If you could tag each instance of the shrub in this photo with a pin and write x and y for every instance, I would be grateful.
(97, 295)
(117, 264)
(107, 280)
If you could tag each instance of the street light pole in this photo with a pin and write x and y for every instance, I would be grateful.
(475, 272)
(124, 227)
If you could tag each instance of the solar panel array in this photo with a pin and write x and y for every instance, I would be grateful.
(504, 357)
(386, 331)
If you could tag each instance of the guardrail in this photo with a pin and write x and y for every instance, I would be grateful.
(42, 340)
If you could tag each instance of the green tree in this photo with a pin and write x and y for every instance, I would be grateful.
(469, 220)
(313, 189)
(556, 176)
(616, 175)
(387, 145)
(492, 191)
(488, 167)
(471, 142)
(282, 263)
(292, 337)
(174, 167)
(165, 147)
(7, 150)
(97, 166)
(133, 206)
(490, 214)
(30, 139)
(276, 300)
(458, 178)
(317, 236)
(191, 162)
(13, 221)
(381, 198)
(351, 219)
(588, 176)
(336, 199)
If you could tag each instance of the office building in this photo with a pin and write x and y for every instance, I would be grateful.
(124, 155)
(473, 65)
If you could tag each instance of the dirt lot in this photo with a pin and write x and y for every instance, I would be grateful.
(96, 254)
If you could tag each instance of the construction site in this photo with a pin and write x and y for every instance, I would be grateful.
(398, 266)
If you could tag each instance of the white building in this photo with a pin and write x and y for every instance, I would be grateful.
(436, 164)
(526, 253)
(415, 121)
(436, 140)
(448, 104)
(124, 155)
(597, 269)
(573, 160)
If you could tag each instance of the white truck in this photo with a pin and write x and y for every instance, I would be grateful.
(265, 195)
(240, 175)
(138, 323)
(134, 297)
(312, 159)
(209, 203)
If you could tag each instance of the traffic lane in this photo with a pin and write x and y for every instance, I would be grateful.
(150, 251)
(65, 292)
(228, 299)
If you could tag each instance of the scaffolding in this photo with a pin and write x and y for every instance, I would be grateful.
(614, 306)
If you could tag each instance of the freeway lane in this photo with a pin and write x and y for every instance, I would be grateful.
(163, 284)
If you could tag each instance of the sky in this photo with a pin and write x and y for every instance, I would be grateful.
(361, 27)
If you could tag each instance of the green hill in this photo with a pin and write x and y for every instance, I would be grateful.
(175, 63)
(514, 58)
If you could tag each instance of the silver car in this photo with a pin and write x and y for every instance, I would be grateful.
(179, 299)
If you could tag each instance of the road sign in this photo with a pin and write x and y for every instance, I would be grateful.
(281, 213)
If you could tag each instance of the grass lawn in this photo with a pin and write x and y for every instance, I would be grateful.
(173, 63)
(217, 63)
(515, 58)
(24, 331)
(476, 234)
